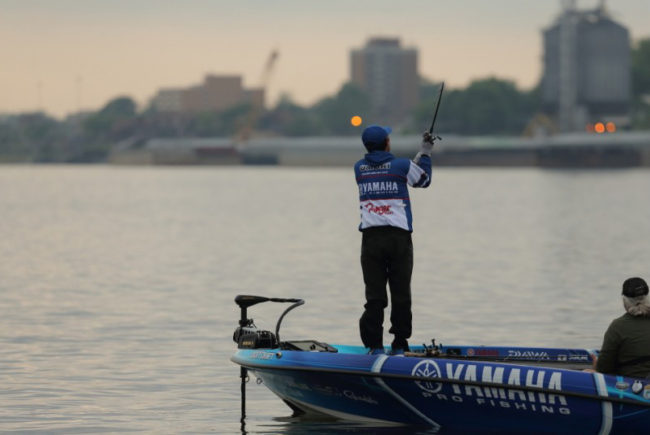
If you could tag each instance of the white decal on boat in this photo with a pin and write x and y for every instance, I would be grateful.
(263, 355)
(364, 398)
(504, 397)
(427, 369)
(528, 354)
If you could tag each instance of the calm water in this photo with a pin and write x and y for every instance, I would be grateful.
(117, 284)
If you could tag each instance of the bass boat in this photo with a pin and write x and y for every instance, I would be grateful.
(444, 388)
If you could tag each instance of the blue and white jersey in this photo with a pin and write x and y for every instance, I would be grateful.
(383, 182)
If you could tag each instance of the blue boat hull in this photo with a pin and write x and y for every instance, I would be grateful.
(457, 394)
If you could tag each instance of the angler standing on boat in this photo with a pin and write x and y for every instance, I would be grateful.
(386, 226)
(626, 346)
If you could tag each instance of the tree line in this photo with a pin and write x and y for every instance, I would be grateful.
(487, 106)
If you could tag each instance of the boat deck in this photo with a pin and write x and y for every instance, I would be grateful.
(569, 361)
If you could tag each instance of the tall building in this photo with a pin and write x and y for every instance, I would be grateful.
(389, 75)
(586, 76)
(216, 93)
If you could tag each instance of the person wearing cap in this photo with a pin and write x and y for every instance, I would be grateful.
(626, 346)
(386, 226)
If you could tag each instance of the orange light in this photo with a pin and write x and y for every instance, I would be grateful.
(356, 120)
(599, 127)
(589, 128)
(611, 127)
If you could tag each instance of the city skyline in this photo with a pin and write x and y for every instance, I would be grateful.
(77, 55)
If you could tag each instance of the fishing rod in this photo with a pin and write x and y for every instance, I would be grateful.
(435, 113)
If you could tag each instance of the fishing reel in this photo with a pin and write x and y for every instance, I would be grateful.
(247, 335)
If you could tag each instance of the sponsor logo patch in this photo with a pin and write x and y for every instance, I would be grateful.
(378, 209)
(378, 187)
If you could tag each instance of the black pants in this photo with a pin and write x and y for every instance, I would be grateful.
(386, 257)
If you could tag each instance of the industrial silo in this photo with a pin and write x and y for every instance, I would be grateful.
(586, 75)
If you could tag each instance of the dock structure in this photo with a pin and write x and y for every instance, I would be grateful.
(571, 150)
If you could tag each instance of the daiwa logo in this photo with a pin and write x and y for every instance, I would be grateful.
(427, 369)
(528, 354)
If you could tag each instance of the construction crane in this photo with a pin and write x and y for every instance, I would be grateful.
(245, 133)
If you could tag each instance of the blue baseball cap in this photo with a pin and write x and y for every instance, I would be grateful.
(375, 135)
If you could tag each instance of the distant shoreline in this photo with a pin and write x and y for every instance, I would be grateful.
(620, 150)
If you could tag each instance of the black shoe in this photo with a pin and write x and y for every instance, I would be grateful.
(400, 346)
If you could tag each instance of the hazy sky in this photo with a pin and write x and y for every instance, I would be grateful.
(62, 55)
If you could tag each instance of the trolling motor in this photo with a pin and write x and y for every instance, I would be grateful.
(247, 336)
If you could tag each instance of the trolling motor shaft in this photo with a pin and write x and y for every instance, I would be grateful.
(247, 336)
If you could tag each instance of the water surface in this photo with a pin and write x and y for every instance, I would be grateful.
(117, 284)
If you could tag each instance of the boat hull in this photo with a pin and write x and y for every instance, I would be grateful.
(452, 394)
